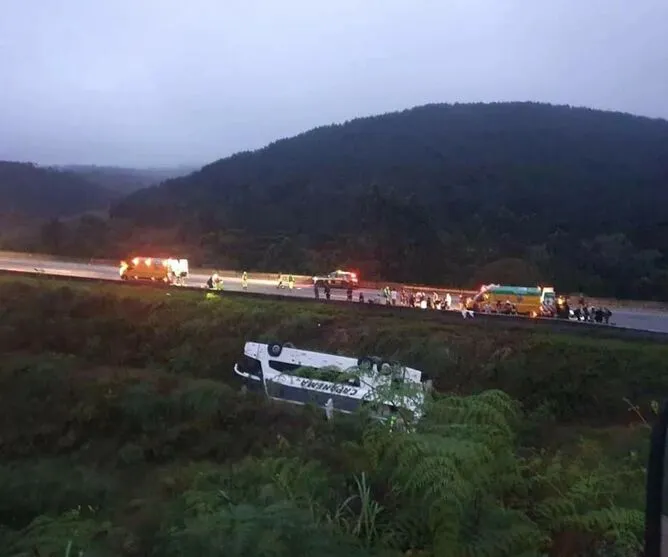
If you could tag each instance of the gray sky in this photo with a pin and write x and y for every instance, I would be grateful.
(165, 82)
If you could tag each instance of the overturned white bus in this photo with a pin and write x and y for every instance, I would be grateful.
(335, 382)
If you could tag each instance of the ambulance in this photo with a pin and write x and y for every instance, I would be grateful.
(169, 270)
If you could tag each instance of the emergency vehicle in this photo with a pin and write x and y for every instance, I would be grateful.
(337, 279)
(345, 384)
(171, 271)
(534, 301)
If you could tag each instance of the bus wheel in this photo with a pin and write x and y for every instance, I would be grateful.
(274, 349)
(365, 362)
(288, 345)
(385, 368)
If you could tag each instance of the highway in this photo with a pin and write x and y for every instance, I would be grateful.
(646, 320)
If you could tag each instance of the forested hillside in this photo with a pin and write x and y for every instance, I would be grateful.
(28, 191)
(441, 193)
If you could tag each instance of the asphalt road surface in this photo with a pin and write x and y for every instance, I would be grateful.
(629, 318)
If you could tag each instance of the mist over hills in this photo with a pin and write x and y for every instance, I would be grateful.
(127, 180)
(440, 193)
(31, 191)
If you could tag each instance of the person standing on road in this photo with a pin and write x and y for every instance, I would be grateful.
(244, 280)
(328, 292)
(291, 282)
(316, 290)
(349, 293)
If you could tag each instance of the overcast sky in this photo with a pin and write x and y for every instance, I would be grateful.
(166, 82)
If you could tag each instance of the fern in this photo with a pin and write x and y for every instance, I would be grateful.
(450, 467)
(568, 495)
(245, 530)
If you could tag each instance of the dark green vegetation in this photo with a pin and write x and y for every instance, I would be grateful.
(40, 207)
(123, 433)
(29, 191)
(507, 192)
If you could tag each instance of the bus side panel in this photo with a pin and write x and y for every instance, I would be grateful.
(300, 395)
(524, 304)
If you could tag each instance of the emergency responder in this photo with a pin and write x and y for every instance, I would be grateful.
(349, 293)
(393, 422)
(291, 282)
(280, 280)
(328, 291)
(244, 280)
(562, 308)
(388, 295)
(214, 282)
(316, 290)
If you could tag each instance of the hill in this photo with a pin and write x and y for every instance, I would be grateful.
(126, 180)
(28, 191)
(443, 194)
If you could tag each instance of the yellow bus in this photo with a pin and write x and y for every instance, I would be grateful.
(534, 301)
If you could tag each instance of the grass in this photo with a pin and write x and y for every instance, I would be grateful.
(123, 433)
(185, 333)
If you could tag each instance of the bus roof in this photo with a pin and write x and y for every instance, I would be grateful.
(516, 290)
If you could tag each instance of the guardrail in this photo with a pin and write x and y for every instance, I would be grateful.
(481, 320)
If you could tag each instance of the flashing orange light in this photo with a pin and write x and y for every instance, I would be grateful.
(148, 261)
(135, 261)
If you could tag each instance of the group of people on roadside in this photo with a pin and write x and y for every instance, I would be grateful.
(393, 297)
(592, 314)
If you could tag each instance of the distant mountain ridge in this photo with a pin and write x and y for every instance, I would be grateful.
(30, 191)
(126, 180)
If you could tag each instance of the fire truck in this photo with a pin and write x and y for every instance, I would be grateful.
(170, 270)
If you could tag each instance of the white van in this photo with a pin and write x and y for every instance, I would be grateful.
(298, 376)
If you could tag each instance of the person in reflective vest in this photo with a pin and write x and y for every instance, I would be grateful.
(244, 280)
(291, 282)
(393, 422)
(214, 282)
